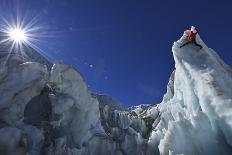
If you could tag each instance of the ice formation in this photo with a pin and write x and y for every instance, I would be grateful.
(50, 110)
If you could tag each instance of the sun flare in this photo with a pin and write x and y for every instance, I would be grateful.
(17, 35)
(20, 34)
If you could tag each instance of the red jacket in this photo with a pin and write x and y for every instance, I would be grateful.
(192, 36)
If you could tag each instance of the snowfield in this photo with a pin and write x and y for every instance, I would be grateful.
(50, 110)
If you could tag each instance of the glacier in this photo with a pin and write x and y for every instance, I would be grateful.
(48, 109)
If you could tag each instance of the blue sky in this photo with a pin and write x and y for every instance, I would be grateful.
(121, 47)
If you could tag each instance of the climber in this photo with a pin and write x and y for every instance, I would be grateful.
(192, 38)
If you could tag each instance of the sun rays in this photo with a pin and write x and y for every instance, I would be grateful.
(19, 34)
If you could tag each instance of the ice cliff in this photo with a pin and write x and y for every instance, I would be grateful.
(50, 110)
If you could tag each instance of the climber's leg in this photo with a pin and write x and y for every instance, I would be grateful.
(197, 44)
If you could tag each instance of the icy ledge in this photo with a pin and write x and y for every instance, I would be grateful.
(46, 111)
(197, 116)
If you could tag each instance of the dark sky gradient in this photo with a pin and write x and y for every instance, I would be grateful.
(127, 42)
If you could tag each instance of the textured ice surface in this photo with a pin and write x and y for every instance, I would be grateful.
(52, 111)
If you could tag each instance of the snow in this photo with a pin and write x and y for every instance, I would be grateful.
(200, 108)
(10, 138)
(79, 107)
(20, 85)
(48, 110)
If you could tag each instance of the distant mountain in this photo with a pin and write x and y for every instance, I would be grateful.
(47, 110)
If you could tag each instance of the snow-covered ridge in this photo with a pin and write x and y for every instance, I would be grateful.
(46, 110)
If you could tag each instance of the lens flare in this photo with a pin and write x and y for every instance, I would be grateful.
(18, 35)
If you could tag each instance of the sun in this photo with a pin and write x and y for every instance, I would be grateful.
(18, 35)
